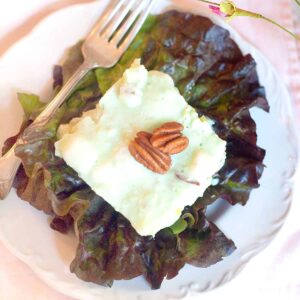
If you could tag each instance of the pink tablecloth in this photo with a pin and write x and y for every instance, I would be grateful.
(274, 274)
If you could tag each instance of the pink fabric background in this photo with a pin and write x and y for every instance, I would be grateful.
(279, 277)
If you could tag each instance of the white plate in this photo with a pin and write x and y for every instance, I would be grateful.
(27, 67)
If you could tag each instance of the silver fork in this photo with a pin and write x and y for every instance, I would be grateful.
(103, 47)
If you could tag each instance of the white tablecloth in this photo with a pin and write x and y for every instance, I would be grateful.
(273, 274)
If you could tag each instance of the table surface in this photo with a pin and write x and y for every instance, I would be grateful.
(273, 274)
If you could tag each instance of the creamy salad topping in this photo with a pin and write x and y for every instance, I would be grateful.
(96, 146)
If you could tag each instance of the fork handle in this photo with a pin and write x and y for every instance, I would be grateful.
(43, 118)
(9, 163)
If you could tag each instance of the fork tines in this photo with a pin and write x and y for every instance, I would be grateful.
(122, 21)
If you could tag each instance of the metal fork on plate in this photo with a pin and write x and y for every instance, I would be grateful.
(103, 47)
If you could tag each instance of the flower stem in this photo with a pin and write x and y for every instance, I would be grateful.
(280, 26)
(210, 2)
(244, 13)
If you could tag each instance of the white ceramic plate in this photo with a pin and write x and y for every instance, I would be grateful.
(27, 67)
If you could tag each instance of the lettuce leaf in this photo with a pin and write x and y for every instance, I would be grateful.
(202, 245)
(210, 71)
(110, 248)
(31, 104)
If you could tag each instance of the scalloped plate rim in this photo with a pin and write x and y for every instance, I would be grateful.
(48, 276)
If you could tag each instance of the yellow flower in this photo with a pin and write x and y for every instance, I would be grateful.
(228, 7)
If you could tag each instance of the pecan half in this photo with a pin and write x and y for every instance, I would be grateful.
(169, 127)
(152, 158)
(168, 138)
